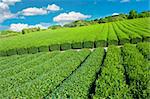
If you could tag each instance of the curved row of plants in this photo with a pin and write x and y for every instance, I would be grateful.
(137, 72)
(38, 80)
(111, 83)
(79, 83)
(123, 73)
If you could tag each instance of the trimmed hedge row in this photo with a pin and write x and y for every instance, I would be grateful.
(40, 79)
(145, 35)
(135, 37)
(111, 84)
(27, 62)
(123, 37)
(137, 72)
(101, 39)
(78, 84)
(112, 37)
(65, 46)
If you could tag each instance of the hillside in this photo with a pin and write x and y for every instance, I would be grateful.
(114, 33)
(74, 49)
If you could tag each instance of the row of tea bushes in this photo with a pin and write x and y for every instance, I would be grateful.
(99, 35)
(137, 72)
(111, 83)
(79, 83)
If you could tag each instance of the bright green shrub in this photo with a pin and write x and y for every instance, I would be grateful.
(100, 43)
(65, 46)
(77, 45)
(22, 51)
(54, 47)
(43, 48)
(88, 44)
(11, 52)
(3, 53)
(32, 50)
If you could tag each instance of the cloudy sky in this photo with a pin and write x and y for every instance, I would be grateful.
(18, 14)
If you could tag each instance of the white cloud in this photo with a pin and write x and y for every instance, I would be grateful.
(6, 15)
(3, 6)
(53, 7)
(10, 2)
(46, 25)
(20, 26)
(38, 25)
(64, 18)
(34, 11)
(122, 1)
(5, 12)
(40, 11)
(115, 14)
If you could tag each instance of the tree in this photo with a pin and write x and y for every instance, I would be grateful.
(132, 14)
(55, 27)
(144, 14)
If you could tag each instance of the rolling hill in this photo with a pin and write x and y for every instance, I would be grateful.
(99, 35)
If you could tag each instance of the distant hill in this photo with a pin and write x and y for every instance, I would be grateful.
(120, 17)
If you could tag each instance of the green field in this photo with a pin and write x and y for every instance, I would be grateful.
(100, 35)
(119, 73)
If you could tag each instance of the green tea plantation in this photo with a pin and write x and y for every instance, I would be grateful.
(93, 36)
(115, 73)
(101, 61)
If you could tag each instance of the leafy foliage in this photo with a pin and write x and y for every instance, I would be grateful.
(38, 80)
(132, 14)
(144, 48)
(111, 83)
(79, 83)
(72, 74)
(137, 71)
(28, 30)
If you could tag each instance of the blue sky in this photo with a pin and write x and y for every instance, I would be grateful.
(30, 13)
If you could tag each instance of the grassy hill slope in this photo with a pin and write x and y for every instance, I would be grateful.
(113, 33)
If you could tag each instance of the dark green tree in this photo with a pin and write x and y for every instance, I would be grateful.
(133, 14)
